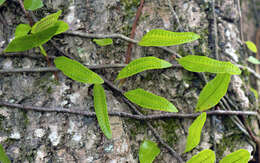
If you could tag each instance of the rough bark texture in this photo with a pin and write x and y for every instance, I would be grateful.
(29, 136)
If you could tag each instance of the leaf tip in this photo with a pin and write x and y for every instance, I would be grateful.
(109, 135)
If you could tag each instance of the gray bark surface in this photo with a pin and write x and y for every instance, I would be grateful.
(29, 136)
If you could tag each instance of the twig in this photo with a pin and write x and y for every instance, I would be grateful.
(22, 54)
(255, 138)
(81, 111)
(236, 120)
(115, 35)
(175, 15)
(54, 69)
(26, 13)
(129, 47)
(250, 70)
(240, 21)
(215, 30)
(88, 35)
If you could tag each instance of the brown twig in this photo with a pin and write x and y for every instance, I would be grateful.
(250, 70)
(137, 16)
(22, 54)
(240, 21)
(26, 13)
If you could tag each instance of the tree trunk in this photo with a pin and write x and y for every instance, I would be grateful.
(30, 136)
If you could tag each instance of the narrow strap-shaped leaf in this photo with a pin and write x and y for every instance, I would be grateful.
(77, 71)
(32, 4)
(213, 92)
(148, 151)
(239, 156)
(100, 106)
(103, 42)
(195, 131)
(142, 64)
(3, 156)
(46, 22)
(2, 1)
(253, 60)
(22, 30)
(160, 37)
(251, 46)
(149, 101)
(30, 41)
(196, 63)
(205, 156)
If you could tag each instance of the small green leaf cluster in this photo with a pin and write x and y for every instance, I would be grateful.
(27, 37)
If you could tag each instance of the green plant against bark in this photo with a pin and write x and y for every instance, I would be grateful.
(160, 37)
(251, 46)
(3, 157)
(214, 90)
(27, 37)
(205, 156)
(208, 156)
(32, 4)
(195, 130)
(2, 1)
(103, 42)
(148, 151)
(142, 64)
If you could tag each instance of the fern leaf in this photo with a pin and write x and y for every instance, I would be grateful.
(150, 101)
(62, 27)
(30, 41)
(77, 71)
(100, 106)
(195, 131)
(103, 42)
(142, 64)
(251, 46)
(3, 157)
(239, 156)
(205, 156)
(148, 151)
(32, 4)
(204, 64)
(160, 37)
(22, 30)
(2, 1)
(46, 22)
(213, 92)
